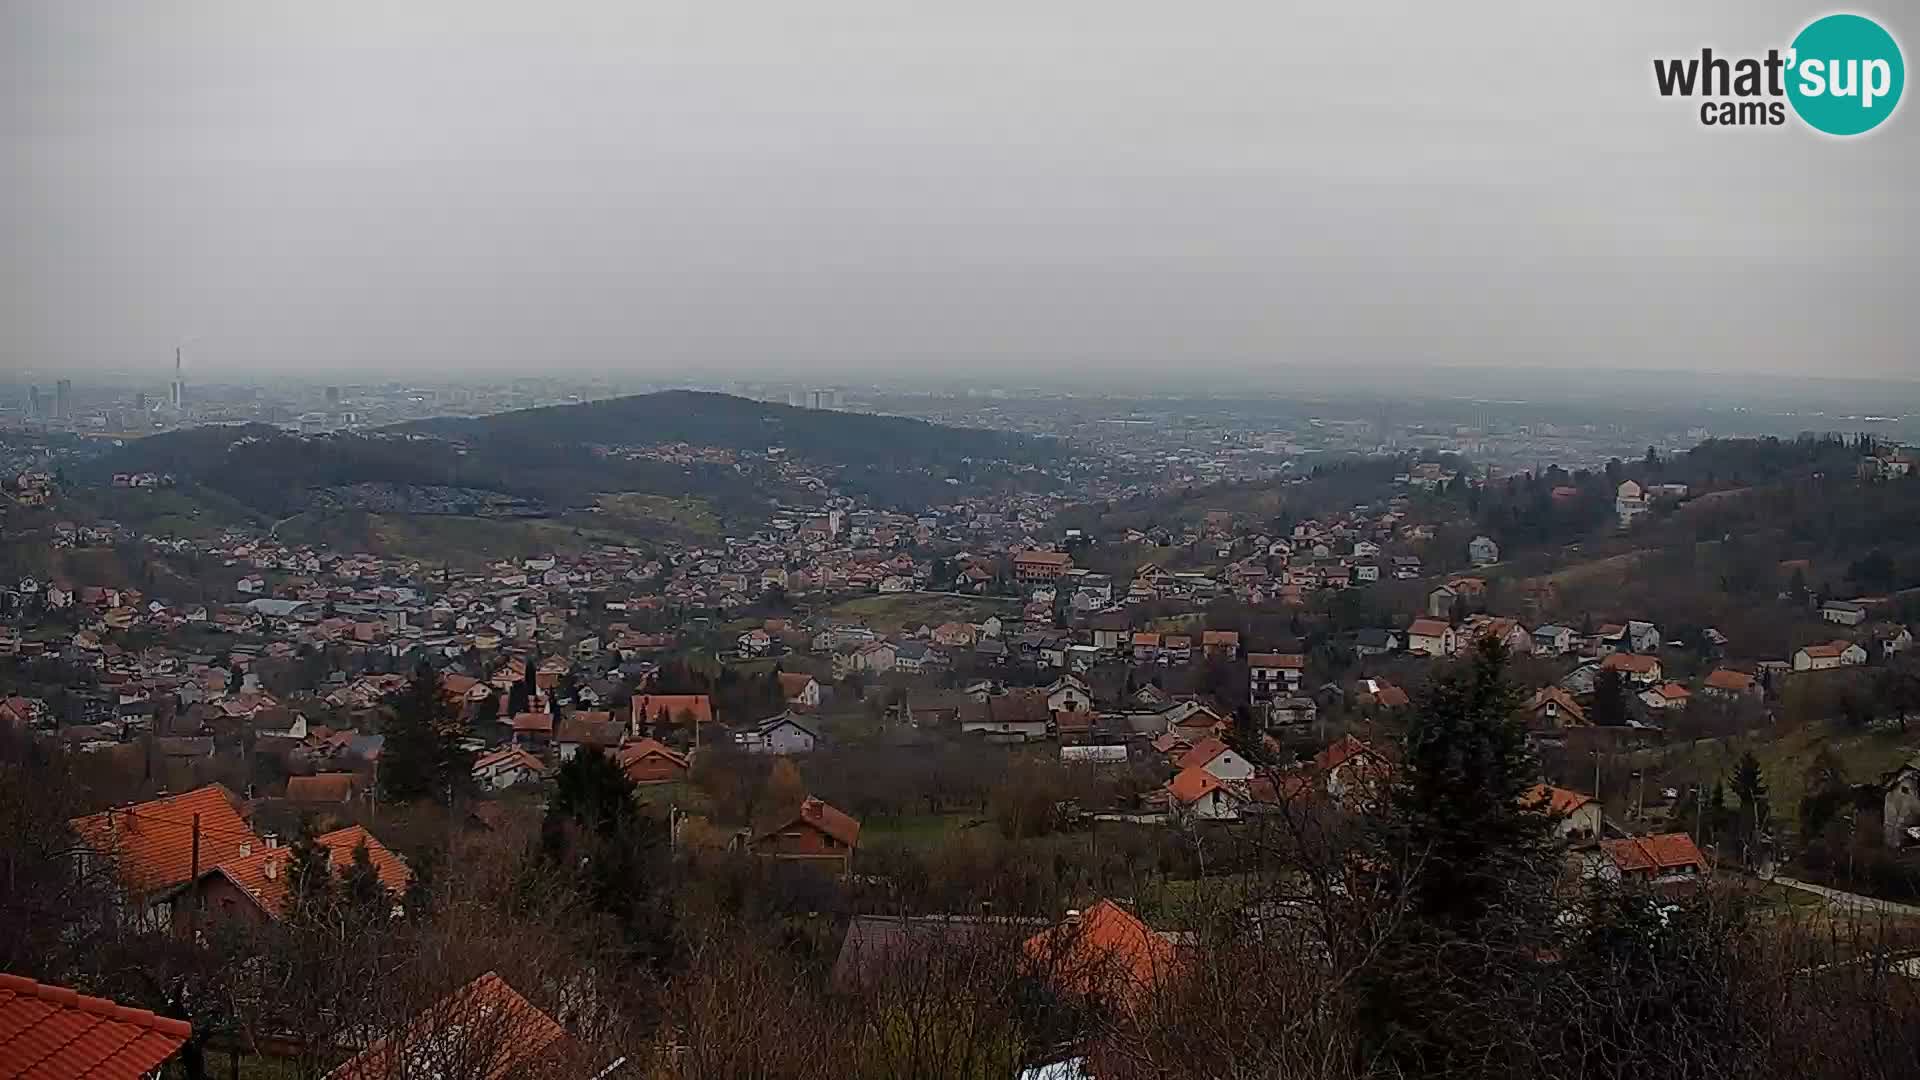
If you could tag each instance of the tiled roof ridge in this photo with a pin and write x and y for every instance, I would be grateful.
(68, 998)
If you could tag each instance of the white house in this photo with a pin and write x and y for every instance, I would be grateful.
(1068, 694)
(1579, 813)
(779, 734)
(1552, 640)
(506, 767)
(801, 690)
(1843, 612)
(1217, 758)
(1629, 502)
(1833, 654)
(1430, 637)
(1482, 551)
(1269, 674)
(1204, 796)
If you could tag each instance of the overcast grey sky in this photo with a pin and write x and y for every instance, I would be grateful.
(850, 186)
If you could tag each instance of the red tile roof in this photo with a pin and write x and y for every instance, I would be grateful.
(1632, 663)
(1654, 854)
(1571, 713)
(1829, 649)
(151, 843)
(51, 1033)
(647, 708)
(1392, 697)
(1427, 628)
(262, 875)
(485, 1030)
(321, 787)
(1171, 741)
(1733, 681)
(533, 723)
(1285, 661)
(646, 748)
(1103, 950)
(1340, 752)
(1192, 784)
(1047, 558)
(822, 816)
(1203, 752)
(1559, 800)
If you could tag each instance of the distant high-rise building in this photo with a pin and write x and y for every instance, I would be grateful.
(63, 399)
(140, 401)
(34, 404)
(179, 384)
(823, 399)
(333, 397)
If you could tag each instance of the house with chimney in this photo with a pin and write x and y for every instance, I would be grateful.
(815, 832)
(154, 848)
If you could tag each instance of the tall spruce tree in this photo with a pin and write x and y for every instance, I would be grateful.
(1609, 699)
(1476, 860)
(592, 792)
(422, 757)
(311, 890)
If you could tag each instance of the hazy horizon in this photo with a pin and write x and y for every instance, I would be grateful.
(857, 190)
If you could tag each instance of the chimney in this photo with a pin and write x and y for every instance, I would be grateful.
(272, 839)
(246, 848)
(1073, 913)
(270, 868)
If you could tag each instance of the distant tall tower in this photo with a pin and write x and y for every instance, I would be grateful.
(63, 399)
(179, 383)
(333, 397)
(33, 403)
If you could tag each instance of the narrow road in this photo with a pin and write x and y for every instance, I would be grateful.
(1850, 901)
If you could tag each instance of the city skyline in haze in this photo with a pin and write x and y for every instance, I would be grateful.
(664, 190)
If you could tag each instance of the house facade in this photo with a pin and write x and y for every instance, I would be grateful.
(1830, 655)
(780, 734)
(1431, 637)
(815, 832)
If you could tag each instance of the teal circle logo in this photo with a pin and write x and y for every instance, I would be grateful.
(1846, 75)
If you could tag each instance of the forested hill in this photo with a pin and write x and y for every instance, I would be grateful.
(552, 458)
(712, 419)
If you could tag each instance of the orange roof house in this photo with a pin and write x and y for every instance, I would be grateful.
(650, 761)
(671, 709)
(333, 787)
(1104, 951)
(1220, 640)
(1552, 706)
(1192, 784)
(813, 831)
(794, 684)
(260, 877)
(1651, 858)
(1726, 681)
(52, 1033)
(483, 1029)
(1558, 800)
(1634, 664)
(151, 844)
(1202, 752)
